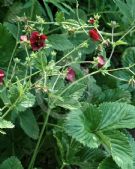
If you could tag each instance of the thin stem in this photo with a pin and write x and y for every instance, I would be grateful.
(77, 62)
(32, 9)
(110, 56)
(11, 60)
(131, 71)
(100, 34)
(77, 14)
(13, 53)
(127, 32)
(56, 82)
(112, 35)
(25, 78)
(44, 72)
(31, 164)
(29, 62)
(79, 46)
(77, 81)
(10, 108)
(62, 167)
(13, 72)
(116, 77)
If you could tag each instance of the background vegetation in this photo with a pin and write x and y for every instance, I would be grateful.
(49, 120)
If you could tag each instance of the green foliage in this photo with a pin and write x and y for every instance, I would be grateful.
(120, 149)
(28, 124)
(115, 95)
(128, 59)
(107, 163)
(11, 163)
(7, 44)
(60, 42)
(127, 9)
(70, 102)
(93, 126)
(4, 124)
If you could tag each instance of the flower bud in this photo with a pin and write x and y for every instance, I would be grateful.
(93, 33)
(91, 20)
(70, 74)
(101, 61)
(23, 38)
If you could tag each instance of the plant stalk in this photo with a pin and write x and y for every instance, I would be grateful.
(31, 164)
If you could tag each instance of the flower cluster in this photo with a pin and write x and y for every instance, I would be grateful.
(37, 41)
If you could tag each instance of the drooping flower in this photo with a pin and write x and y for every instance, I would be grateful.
(37, 41)
(2, 74)
(23, 38)
(70, 74)
(93, 33)
(101, 61)
(91, 20)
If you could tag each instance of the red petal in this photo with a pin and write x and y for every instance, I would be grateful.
(101, 61)
(94, 35)
(43, 37)
(70, 74)
(2, 74)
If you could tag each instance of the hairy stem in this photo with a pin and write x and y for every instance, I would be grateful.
(31, 164)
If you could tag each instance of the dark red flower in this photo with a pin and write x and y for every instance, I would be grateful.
(70, 74)
(37, 41)
(23, 38)
(91, 20)
(2, 74)
(94, 34)
(101, 61)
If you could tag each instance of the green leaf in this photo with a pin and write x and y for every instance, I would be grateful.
(7, 44)
(120, 149)
(128, 58)
(48, 10)
(29, 124)
(11, 163)
(115, 95)
(59, 6)
(14, 10)
(127, 8)
(120, 42)
(7, 2)
(60, 17)
(5, 124)
(132, 143)
(60, 42)
(28, 100)
(12, 28)
(80, 125)
(70, 151)
(108, 163)
(77, 40)
(68, 103)
(84, 125)
(126, 79)
(116, 116)
(75, 89)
